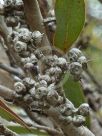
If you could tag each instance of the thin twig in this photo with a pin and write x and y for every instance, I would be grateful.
(12, 70)
(35, 117)
(7, 93)
(5, 32)
(48, 129)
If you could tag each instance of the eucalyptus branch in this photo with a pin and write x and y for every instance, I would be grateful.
(67, 127)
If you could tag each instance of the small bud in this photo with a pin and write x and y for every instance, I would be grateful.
(24, 35)
(44, 77)
(74, 54)
(54, 71)
(19, 4)
(25, 60)
(60, 99)
(53, 79)
(19, 87)
(37, 84)
(62, 62)
(52, 26)
(38, 54)
(69, 119)
(75, 68)
(66, 109)
(28, 99)
(52, 97)
(51, 60)
(29, 82)
(37, 37)
(33, 59)
(78, 120)
(8, 4)
(82, 60)
(32, 91)
(20, 46)
(43, 83)
(84, 109)
(11, 21)
(13, 36)
(41, 92)
(28, 66)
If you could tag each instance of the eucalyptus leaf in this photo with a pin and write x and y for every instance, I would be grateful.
(9, 113)
(73, 90)
(21, 130)
(5, 115)
(70, 17)
(74, 93)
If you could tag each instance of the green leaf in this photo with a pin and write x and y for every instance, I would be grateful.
(74, 93)
(21, 130)
(70, 16)
(4, 108)
(5, 115)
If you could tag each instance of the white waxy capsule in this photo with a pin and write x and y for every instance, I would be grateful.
(19, 2)
(84, 109)
(25, 60)
(24, 35)
(54, 70)
(11, 21)
(8, 3)
(37, 37)
(32, 91)
(20, 46)
(43, 83)
(82, 60)
(33, 58)
(74, 54)
(44, 77)
(19, 87)
(78, 120)
(29, 82)
(75, 68)
(28, 66)
(41, 92)
(62, 61)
